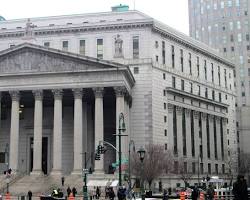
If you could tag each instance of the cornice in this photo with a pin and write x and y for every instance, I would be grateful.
(77, 28)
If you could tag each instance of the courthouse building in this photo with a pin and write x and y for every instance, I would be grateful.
(64, 80)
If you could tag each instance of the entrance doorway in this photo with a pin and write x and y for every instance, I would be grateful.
(44, 154)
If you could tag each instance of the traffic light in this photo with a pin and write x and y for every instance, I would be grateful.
(100, 149)
(97, 156)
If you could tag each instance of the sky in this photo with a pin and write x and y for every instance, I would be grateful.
(171, 12)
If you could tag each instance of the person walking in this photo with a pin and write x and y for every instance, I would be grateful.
(210, 192)
(74, 191)
(98, 192)
(29, 195)
(240, 189)
(195, 193)
(68, 191)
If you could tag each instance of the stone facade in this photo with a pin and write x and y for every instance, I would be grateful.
(64, 61)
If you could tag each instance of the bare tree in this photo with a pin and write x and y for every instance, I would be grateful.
(155, 163)
(182, 169)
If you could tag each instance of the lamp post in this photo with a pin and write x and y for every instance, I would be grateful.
(141, 153)
(85, 171)
(131, 143)
(121, 129)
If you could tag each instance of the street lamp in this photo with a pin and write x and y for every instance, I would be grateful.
(141, 153)
(121, 129)
(131, 143)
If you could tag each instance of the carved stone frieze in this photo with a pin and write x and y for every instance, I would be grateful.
(38, 94)
(29, 60)
(98, 91)
(15, 95)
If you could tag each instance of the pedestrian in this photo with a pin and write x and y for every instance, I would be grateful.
(210, 192)
(119, 193)
(195, 193)
(165, 194)
(240, 189)
(98, 192)
(63, 179)
(68, 191)
(74, 191)
(29, 195)
(111, 194)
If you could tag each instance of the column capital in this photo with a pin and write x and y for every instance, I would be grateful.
(98, 91)
(120, 91)
(196, 114)
(217, 118)
(15, 95)
(170, 108)
(38, 94)
(204, 116)
(187, 112)
(211, 117)
(58, 93)
(78, 93)
(179, 110)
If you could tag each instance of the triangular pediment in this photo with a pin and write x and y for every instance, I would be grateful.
(28, 58)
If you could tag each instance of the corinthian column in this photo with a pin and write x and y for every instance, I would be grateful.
(99, 133)
(78, 131)
(57, 140)
(38, 124)
(14, 130)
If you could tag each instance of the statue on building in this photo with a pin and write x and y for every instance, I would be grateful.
(28, 29)
(118, 47)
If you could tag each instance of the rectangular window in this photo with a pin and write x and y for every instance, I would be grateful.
(198, 66)
(209, 168)
(205, 69)
(136, 70)
(216, 169)
(173, 82)
(82, 47)
(100, 48)
(166, 146)
(191, 88)
(65, 45)
(213, 95)
(165, 132)
(190, 63)
(173, 56)
(193, 167)
(219, 97)
(201, 168)
(136, 47)
(247, 37)
(164, 76)
(164, 106)
(212, 67)
(46, 44)
(192, 133)
(163, 53)
(223, 168)
(219, 75)
(175, 131)
(182, 62)
(2, 157)
(225, 76)
(182, 85)
(206, 93)
(184, 140)
(165, 119)
(199, 90)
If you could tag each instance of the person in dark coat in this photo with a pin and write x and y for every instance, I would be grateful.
(29, 195)
(195, 193)
(74, 191)
(240, 188)
(68, 191)
(210, 192)
(165, 194)
(111, 193)
(98, 192)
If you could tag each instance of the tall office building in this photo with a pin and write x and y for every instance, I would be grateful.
(224, 25)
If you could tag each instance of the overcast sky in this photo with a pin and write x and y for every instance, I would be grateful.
(171, 12)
